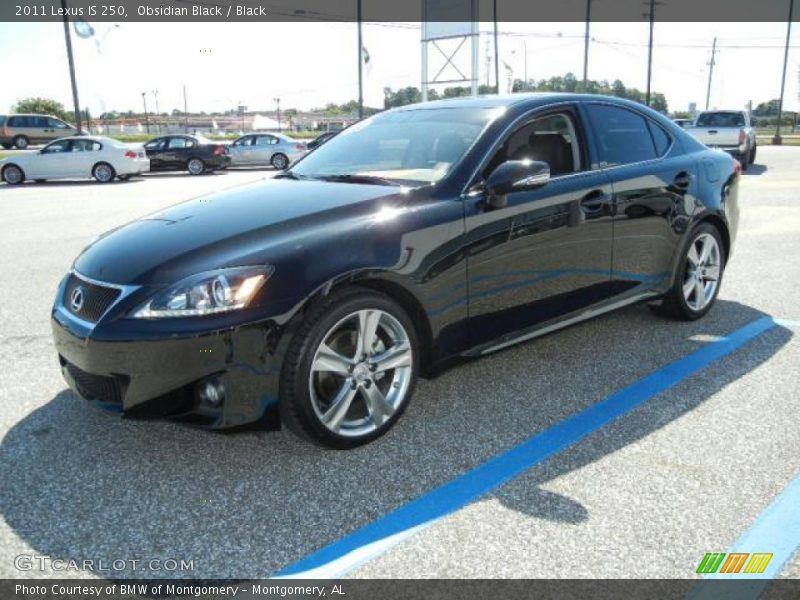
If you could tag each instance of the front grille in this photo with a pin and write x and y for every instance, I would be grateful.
(95, 387)
(94, 299)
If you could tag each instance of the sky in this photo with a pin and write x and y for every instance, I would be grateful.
(307, 65)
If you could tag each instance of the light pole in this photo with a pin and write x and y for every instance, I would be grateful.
(71, 61)
(652, 16)
(586, 39)
(360, 66)
(158, 112)
(278, 103)
(777, 140)
(146, 118)
(711, 71)
(524, 62)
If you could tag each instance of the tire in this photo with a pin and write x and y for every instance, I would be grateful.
(279, 161)
(685, 301)
(103, 172)
(21, 142)
(195, 166)
(753, 154)
(373, 398)
(744, 160)
(13, 175)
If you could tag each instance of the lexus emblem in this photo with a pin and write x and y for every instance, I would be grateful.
(76, 299)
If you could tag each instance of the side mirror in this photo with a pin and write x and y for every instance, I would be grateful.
(517, 176)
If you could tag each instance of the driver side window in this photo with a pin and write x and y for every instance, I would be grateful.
(551, 139)
(56, 147)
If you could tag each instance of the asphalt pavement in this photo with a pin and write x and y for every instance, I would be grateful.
(689, 469)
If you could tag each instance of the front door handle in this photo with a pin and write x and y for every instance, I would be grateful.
(594, 202)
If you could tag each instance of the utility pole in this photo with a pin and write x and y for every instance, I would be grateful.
(360, 67)
(185, 112)
(711, 71)
(650, 51)
(777, 140)
(496, 54)
(586, 44)
(71, 61)
(278, 102)
(157, 113)
(146, 118)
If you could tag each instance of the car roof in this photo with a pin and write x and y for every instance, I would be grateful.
(530, 99)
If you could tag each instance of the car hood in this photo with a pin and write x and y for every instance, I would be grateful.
(236, 227)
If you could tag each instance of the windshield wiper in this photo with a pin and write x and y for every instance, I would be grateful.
(356, 178)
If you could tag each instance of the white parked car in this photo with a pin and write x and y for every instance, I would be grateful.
(273, 149)
(76, 157)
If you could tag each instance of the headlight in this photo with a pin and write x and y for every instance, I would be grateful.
(207, 293)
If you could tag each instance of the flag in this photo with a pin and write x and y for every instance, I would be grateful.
(373, 86)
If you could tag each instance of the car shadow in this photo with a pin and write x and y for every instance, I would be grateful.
(54, 183)
(755, 169)
(169, 174)
(81, 484)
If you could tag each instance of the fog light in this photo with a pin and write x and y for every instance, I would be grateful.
(212, 392)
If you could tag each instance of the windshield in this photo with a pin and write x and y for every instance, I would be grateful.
(721, 119)
(413, 145)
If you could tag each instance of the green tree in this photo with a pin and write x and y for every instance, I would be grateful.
(42, 106)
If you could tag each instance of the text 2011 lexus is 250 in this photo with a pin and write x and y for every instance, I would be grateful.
(453, 228)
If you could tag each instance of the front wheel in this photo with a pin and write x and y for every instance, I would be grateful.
(699, 276)
(753, 154)
(279, 161)
(350, 370)
(13, 175)
(195, 166)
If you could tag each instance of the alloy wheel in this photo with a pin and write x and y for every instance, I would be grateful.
(703, 267)
(361, 373)
(12, 175)
(103, 173)
(279, 162)
(195, 166)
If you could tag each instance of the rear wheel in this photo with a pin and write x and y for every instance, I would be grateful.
(350, 369)
(279, 161)
(699, 276)
(13, 175)
(744, 160)
(21, 142)
(195, 166)
(103, 172)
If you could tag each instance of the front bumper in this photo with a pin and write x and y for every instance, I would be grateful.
(163, 377)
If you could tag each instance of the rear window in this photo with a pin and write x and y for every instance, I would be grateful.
(721, 119)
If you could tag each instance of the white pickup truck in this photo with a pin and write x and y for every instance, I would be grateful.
(729, 130)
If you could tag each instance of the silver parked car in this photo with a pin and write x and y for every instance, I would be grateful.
(273, 149)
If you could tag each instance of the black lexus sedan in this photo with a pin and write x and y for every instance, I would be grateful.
(192, 153)
(428, 232)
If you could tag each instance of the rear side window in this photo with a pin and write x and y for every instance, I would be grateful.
(623, 137)
(661, 138)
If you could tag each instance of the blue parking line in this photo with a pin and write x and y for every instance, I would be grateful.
(342, 556)
(776, 530)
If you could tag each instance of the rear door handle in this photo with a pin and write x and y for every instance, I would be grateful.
(682, 180)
